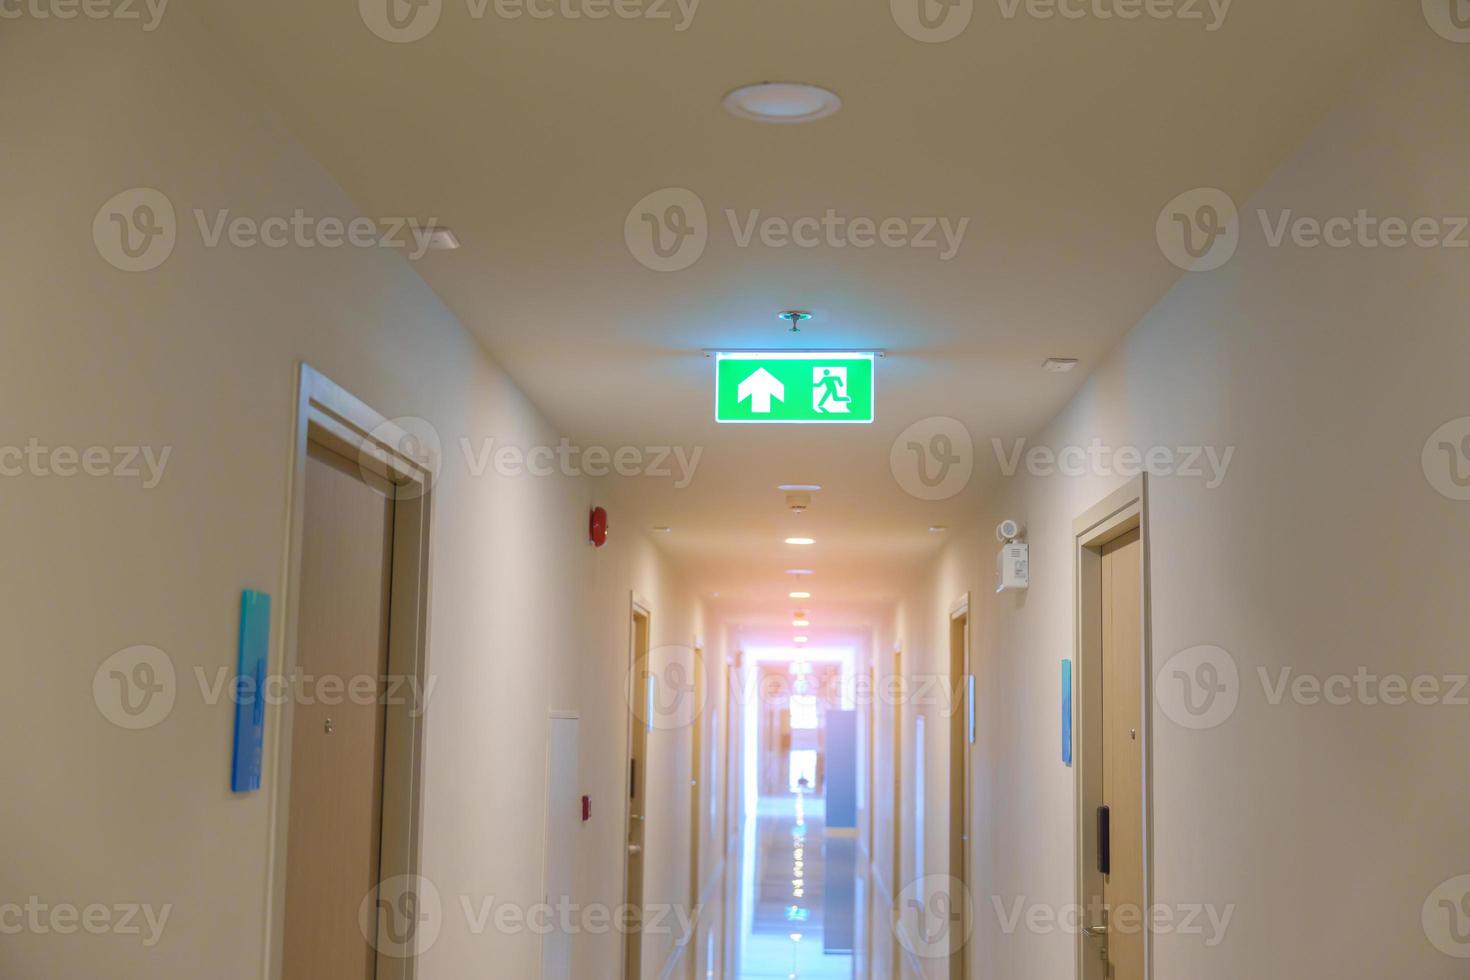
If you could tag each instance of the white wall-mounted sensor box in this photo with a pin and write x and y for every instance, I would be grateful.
(1013, 567)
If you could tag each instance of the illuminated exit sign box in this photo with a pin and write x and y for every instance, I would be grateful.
(783, 387)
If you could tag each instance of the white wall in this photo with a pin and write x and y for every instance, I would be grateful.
(1325, 549)
(676, 624)
(200, 356)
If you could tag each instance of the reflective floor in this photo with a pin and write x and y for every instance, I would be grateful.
(798, 899)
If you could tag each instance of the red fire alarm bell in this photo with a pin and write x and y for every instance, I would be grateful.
(599, 527)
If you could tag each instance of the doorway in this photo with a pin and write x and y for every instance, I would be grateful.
(345, 893)
(640, 680)
(727, 790)
(961, 739)
(896, 886)
(1113, 757)
(696, 788)
(337, 751)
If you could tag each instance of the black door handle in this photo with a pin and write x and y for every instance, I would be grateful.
(1104, 841)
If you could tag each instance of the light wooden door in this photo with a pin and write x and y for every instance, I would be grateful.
(1122, 753)
(896, 882)
(727, 780)
(335, 823)
(563, 823)
(642, 683)
(696, 803)
(870, 804)
(870, 749)
(959, 793)
(733, 803)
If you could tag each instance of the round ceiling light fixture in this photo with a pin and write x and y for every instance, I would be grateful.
(782, 102)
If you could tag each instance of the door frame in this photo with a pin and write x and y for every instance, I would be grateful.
(961, 790)
(329, 416)
(1122, 511)
(733, 781)
(895, 773)
(727, 748)
(637, 606)
(869, 842)
(870, 749)
(697, 745)
(697, 748)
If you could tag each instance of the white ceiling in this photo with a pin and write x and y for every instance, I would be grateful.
(1059, 140)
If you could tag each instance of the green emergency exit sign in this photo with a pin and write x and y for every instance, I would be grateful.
(794, 388)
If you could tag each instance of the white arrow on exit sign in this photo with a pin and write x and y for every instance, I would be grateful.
(760, 388)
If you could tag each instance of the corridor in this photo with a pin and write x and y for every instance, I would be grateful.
(735, 490)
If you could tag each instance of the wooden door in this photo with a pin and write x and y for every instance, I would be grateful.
(642, 683)
(335, 829)
(1122, 753)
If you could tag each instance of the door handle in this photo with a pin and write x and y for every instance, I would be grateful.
(1100, 935)
(1104, 841)
(635, 849)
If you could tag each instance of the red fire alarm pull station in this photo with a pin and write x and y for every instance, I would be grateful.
(598, 529)
(586, 808)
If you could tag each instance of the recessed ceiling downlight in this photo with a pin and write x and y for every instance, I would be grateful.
(782, 102)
